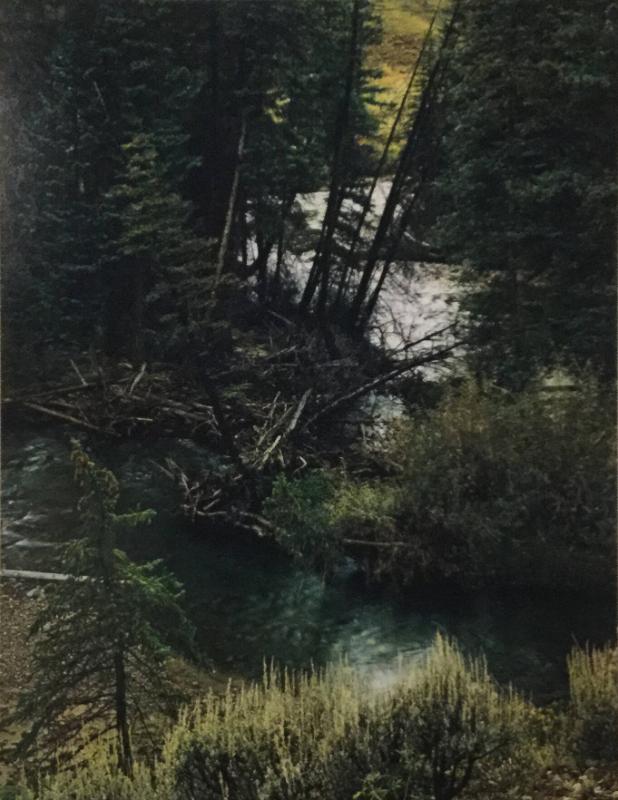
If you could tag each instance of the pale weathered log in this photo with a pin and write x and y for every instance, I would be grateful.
(366, 543)
(138, 378)
(32, 575)
(83, 381)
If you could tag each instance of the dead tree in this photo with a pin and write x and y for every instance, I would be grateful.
(320, 270)
(356, 239)
(395, 194)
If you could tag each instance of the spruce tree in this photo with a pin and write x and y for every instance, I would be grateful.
(97, 75)
(101, 639)
(525, 191)
(154, 252)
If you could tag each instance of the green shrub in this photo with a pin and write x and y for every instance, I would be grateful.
(455, 726)
(14, 792)
(495, 485)
(285, 738)
(98, 777)
(593, 712)
(488, 486)
(299, 508)
(491, 486)
(321, 513)
(362, 510)
(443, 727)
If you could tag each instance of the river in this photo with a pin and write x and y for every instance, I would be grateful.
(249, 602)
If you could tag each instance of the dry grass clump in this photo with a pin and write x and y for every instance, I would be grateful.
(593, 711)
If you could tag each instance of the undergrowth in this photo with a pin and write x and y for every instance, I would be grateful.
(441, 729)
(487, 487)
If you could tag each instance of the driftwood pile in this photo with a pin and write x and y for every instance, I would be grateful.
(269, 405)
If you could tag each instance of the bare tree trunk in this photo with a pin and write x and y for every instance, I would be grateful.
(229, 217)
(616, 364)
(125, 757)
(243, 232)
(286, 207)
(394, 195)
(215, 166)
(349, 263)
(404, 222)
(370, 306)
(261, 266)
(137, 345)
(320, 271)
(380, 235)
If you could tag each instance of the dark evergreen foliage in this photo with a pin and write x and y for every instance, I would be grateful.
(101, 640)
(525, 194)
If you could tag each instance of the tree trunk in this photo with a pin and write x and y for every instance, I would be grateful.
(243, 232)
(261, 267)
(349, 262)
(404, 221)
(394, 196)
(229, 217)
(214, 170)
(137, 345)
(125, 755)
(380, 235)
(286, 207)
(320, 271)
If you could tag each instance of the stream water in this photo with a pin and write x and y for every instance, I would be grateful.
(249, 602)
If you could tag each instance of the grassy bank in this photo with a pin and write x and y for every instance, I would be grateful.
(404, 23)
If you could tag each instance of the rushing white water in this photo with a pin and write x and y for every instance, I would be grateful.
(417, 299)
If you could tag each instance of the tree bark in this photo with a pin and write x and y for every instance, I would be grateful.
(212, 156)
(261, 266)
(229, 217)
(320, 271)
(349, 264)
(394, 195)
(125, 756)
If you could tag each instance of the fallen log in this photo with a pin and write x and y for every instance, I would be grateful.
(68, 418)
(58, 391)
(75, 368)
(366, 543)
(380, 380)
(32, 575)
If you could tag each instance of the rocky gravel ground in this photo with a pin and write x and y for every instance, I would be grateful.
(595, 783)
(18, 607)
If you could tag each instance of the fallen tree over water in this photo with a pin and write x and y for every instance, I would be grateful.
(268, 401)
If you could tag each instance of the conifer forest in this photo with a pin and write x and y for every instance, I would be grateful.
(308, 399)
